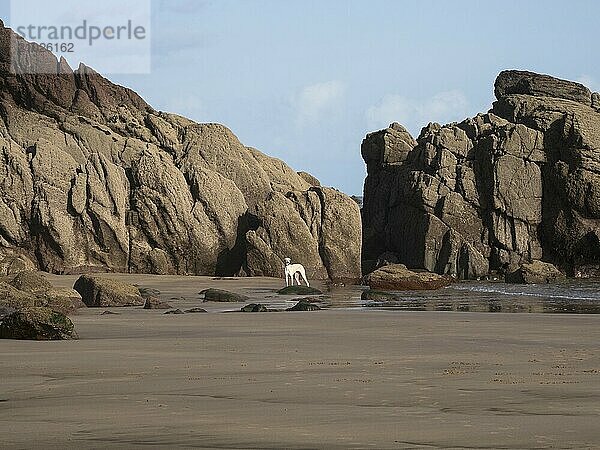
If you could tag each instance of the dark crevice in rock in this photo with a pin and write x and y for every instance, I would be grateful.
(322, 252)
(231, 262)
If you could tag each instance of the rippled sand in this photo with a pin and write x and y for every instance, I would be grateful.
(340, 378)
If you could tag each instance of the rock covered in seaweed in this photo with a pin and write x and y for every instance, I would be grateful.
(37, 323)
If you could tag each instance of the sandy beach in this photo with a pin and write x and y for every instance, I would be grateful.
(267, 141)
(338, 378)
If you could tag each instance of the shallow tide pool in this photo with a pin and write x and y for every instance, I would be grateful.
(573, 296)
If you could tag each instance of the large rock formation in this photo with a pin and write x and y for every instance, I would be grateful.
(94, 179)
(519, 183)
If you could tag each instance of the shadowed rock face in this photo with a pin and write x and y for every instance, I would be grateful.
(519, 183)
(94, 179)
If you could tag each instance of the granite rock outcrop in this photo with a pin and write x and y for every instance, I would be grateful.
(517, 184)
(93, 179)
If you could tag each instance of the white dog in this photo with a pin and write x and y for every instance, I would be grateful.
(294, 272)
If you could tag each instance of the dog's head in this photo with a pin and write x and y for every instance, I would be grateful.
(287, 261)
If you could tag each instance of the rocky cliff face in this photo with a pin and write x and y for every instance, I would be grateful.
(93, 179)
(519, 183)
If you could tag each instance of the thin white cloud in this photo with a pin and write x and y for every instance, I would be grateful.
(313, 101)
(414, 114)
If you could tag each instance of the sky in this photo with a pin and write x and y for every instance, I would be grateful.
(306, 80)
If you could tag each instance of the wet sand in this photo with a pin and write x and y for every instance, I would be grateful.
(339, 378)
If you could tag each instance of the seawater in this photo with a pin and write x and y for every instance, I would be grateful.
(570, 297)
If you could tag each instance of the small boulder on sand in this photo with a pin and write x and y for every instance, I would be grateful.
(304, 305)
(104, 292)
(156, 303)
(254, 307)
(37, 323)
(195, 310)
(299, 290)
(219, 295)
(537, 272)
(396, 277)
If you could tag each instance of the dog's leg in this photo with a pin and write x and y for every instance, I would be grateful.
(303, 273)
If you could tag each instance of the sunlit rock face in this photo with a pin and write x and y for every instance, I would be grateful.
(92, 178)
